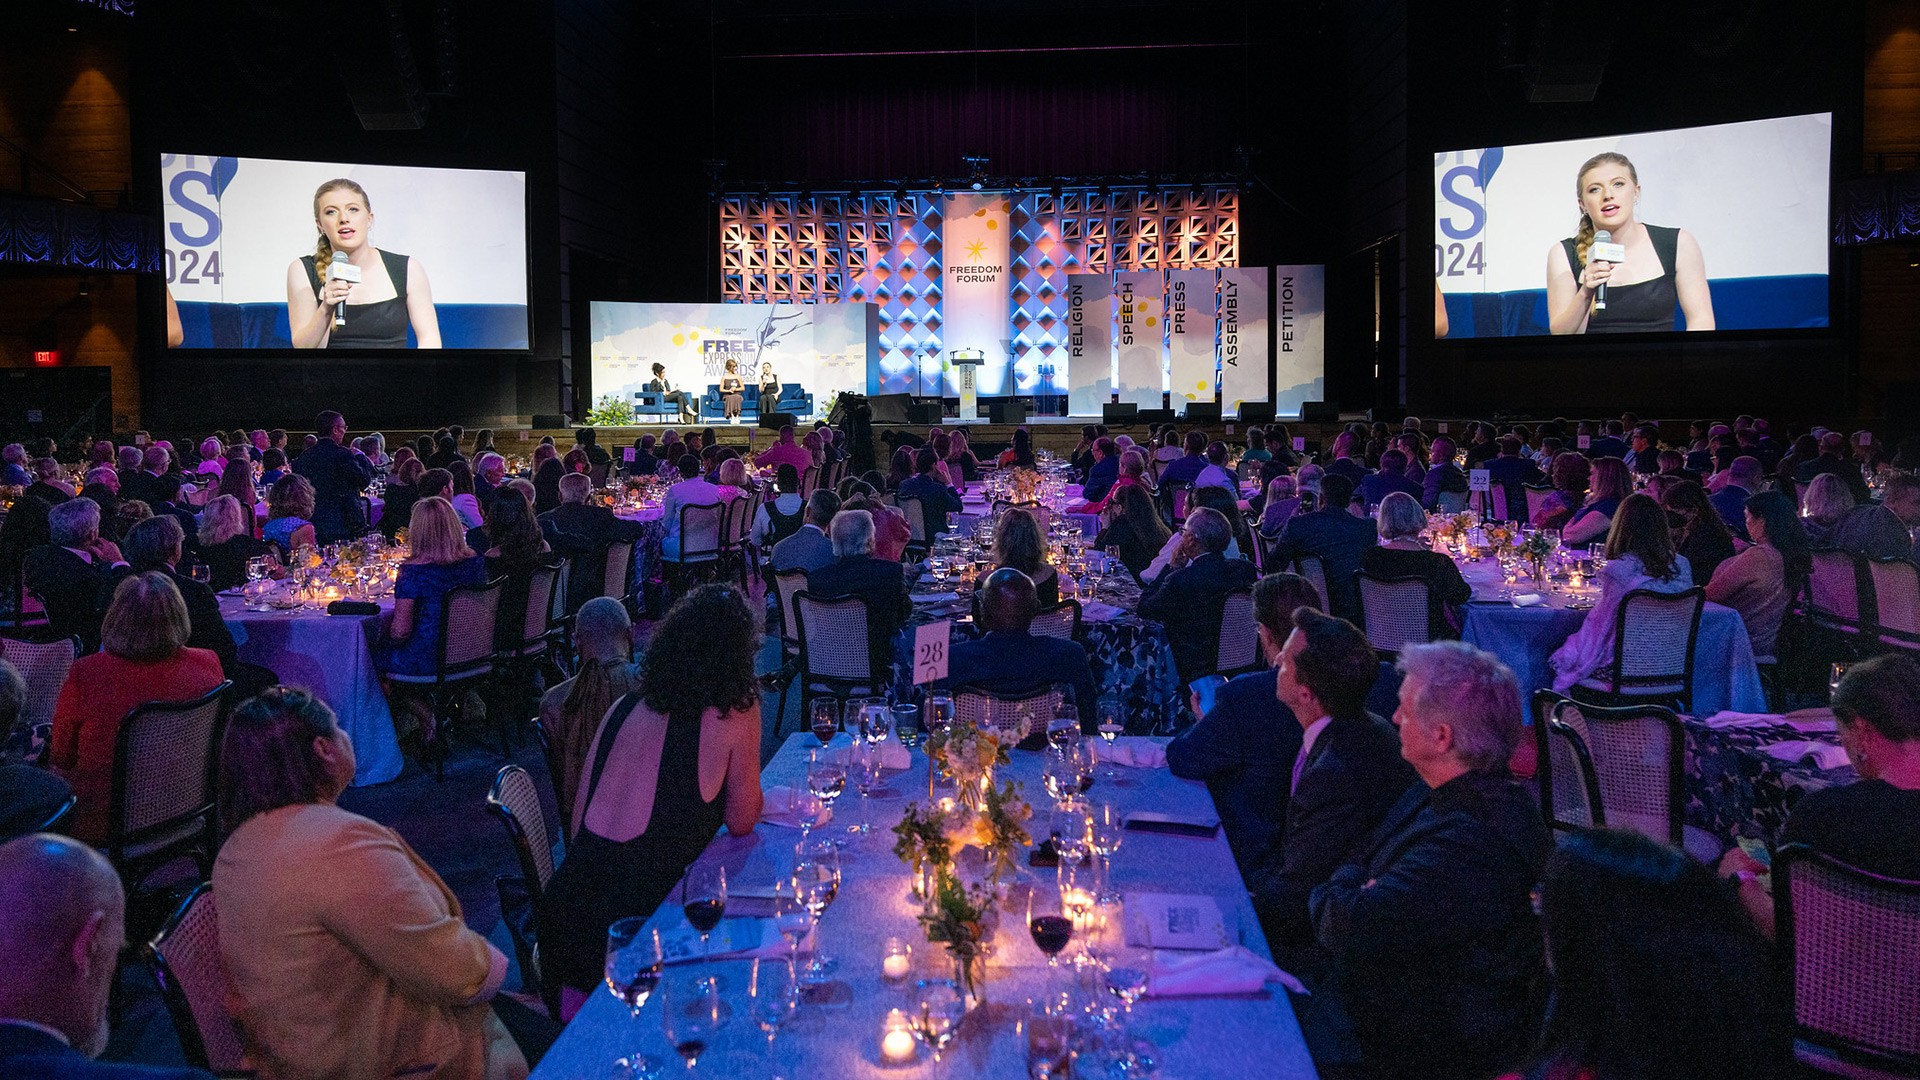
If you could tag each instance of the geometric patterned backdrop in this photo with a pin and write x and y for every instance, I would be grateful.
(883, 249)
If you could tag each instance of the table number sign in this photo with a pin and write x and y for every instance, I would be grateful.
(626, 455)
(930, 651)
(1478, 480)
(1584, 442)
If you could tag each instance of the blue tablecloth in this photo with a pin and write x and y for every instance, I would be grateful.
(1735, 789)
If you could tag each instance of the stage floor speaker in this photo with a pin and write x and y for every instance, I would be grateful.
(778, 420)
(1319, 412)
(550, 420)
(890, 408)
(1119, 412)
(1256, 412)
(1007, 412)
(1203, 412)
(930, 412)
(1156, 416)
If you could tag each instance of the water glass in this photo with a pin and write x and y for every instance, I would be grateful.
(906, 724)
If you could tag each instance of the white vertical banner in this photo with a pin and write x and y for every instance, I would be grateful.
(1089, 349)
(1245, 363)
(1190, 334)
(1141, 295)
(1300, 337)
(976, 295)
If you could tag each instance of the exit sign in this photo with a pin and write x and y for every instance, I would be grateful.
(46, 358)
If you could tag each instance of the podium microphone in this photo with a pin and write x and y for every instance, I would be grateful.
(1603, 249)
(341, 269)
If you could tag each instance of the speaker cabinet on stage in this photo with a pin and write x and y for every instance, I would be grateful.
(1007, 412)
(776, 421)
(1319, 412)
(1203, 412)
(1119, 412)
(929, 411)
(551, 420)
(890, 408)
(1156, 416)
(1256, 412)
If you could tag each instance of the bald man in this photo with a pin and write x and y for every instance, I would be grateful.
(62, 926)
(1006, 659)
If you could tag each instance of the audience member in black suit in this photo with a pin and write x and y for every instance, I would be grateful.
(1401, 554)
(1435, 946)
(1102, 472)
(74, 576)
(1610, 444)
(1190, 596)
(643, 463)
(1345, 446)
(1389, 478)
(1513, 470)
(1482, 448)
(1443, 476)
(937, 500)
(1643, 452)
(338, 476)
(103, 487)
(575, 526)
(1006, 659)
(1833, 459)
(62, 926)
(29, 795)
(1336, 537)
(1245, 745)
(589, 440)
(155, 462)
(879, 583)
(1344, 775)
(47, 483)
(166, 503)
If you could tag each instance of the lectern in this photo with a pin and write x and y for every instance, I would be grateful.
(966, 366)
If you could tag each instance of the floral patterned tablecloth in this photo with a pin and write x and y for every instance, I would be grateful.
(1734, 789)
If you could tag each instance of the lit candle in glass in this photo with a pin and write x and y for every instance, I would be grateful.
(897, 960)
(896, 1045)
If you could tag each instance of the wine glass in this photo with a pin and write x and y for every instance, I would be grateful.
(1060, 775)
(774, 996)
(634, 964)
(1063, 730)
(939, 713)
(703, 898)
(826, 778)
(867, 778)
(938, 1008)
(790, 917)
(824, 719)
(1105, 830)
(875, 721)
(691, 1014)
(906, 724)
(1111, 716)
(816, 881)
(1071, 823)
(1085, 762)
(1127, 978)
(1049, 923)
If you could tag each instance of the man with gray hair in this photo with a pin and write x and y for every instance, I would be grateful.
(30, 796)
(489, 472)
(1190, 596)
(808, 548)
(62, 926)
(74, 576)
(13, 466)
(49, 482)
(1430, 925)
(879, 584)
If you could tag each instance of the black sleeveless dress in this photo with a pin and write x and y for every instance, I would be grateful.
(1645, 306)
(602, 881)
(783, 525)
(371, 326)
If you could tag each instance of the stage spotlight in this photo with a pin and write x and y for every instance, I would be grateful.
(976, 170)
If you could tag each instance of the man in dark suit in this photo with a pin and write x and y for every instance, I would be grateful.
(663, 386)
(1389, 478)
(1186, 468)
(75, 574)
(1609, 444)
(1104, 470)
(808, 548)
(1190, 595)
(1513, 470)
(644, 463)
(338, 476)
(879, 583)
(1244, 746)
(165, 502)
(1342, 780)
(62, 926)
(1833, 459)
(575, 526)
(1443, 476)
(1006, 659)
(1643, 452)
(138, 484)
(1430, 924)
(937, 500)
(1345, 446)
(47, 484)
(1336, 537)
(1743, 479)
(588, 440)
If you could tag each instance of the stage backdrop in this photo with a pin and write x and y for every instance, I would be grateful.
(823, 347)
(913, 253)
(1192, 334)
(1299, 301)
(1089, 354)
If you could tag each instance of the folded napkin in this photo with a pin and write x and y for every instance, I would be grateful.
(1133, 751)
(1816, 719)
(1532, 599)
(1722, 721)
(1095, 611)
(1235, 969)
(895, 756)
(1823, 755)
(781, 807)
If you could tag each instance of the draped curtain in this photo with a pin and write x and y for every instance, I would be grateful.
(1878, 208)
(44, 232)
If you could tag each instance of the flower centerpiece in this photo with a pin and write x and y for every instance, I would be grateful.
(1023, 485)
(959, 917)
(610, 410)
(967, 755)
(1536, 548)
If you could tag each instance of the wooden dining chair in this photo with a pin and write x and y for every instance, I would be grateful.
(185, 961)
(514, 801)
(1655, 637)
(1396, 611)
(463, 654)
(166, 762)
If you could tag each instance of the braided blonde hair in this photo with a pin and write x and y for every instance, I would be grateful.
(323, 250)
(1584, 239)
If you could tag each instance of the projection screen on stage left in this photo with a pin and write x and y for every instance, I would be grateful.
(822, 348)
(237, 231)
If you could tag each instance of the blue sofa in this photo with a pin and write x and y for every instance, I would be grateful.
(792, 400)
(652, 403)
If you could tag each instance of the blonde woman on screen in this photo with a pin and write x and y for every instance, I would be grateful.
(392, 292)
(1662, 267)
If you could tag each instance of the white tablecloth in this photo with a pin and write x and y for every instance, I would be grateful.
(331, 656)
(1253, 1035)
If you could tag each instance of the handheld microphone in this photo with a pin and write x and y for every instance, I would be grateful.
(1603, 249)
(341, 270)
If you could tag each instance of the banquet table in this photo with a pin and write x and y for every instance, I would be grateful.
(331, 656)
(646, 551)
(1131, 656)
(836, 1031)
(1735, 789)
(974, 506)
(1524, 638)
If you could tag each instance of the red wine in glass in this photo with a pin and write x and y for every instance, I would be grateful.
(1051, 932)
(691, 1049)
(704, 913)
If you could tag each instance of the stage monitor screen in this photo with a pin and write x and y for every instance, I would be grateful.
(260, 253)
(1707, 228)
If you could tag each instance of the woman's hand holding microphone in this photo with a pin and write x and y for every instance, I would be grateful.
(1595, 275)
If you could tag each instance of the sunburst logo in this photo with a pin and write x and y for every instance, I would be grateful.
(976, 250)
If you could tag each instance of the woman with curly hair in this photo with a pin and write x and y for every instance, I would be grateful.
(671, 762)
